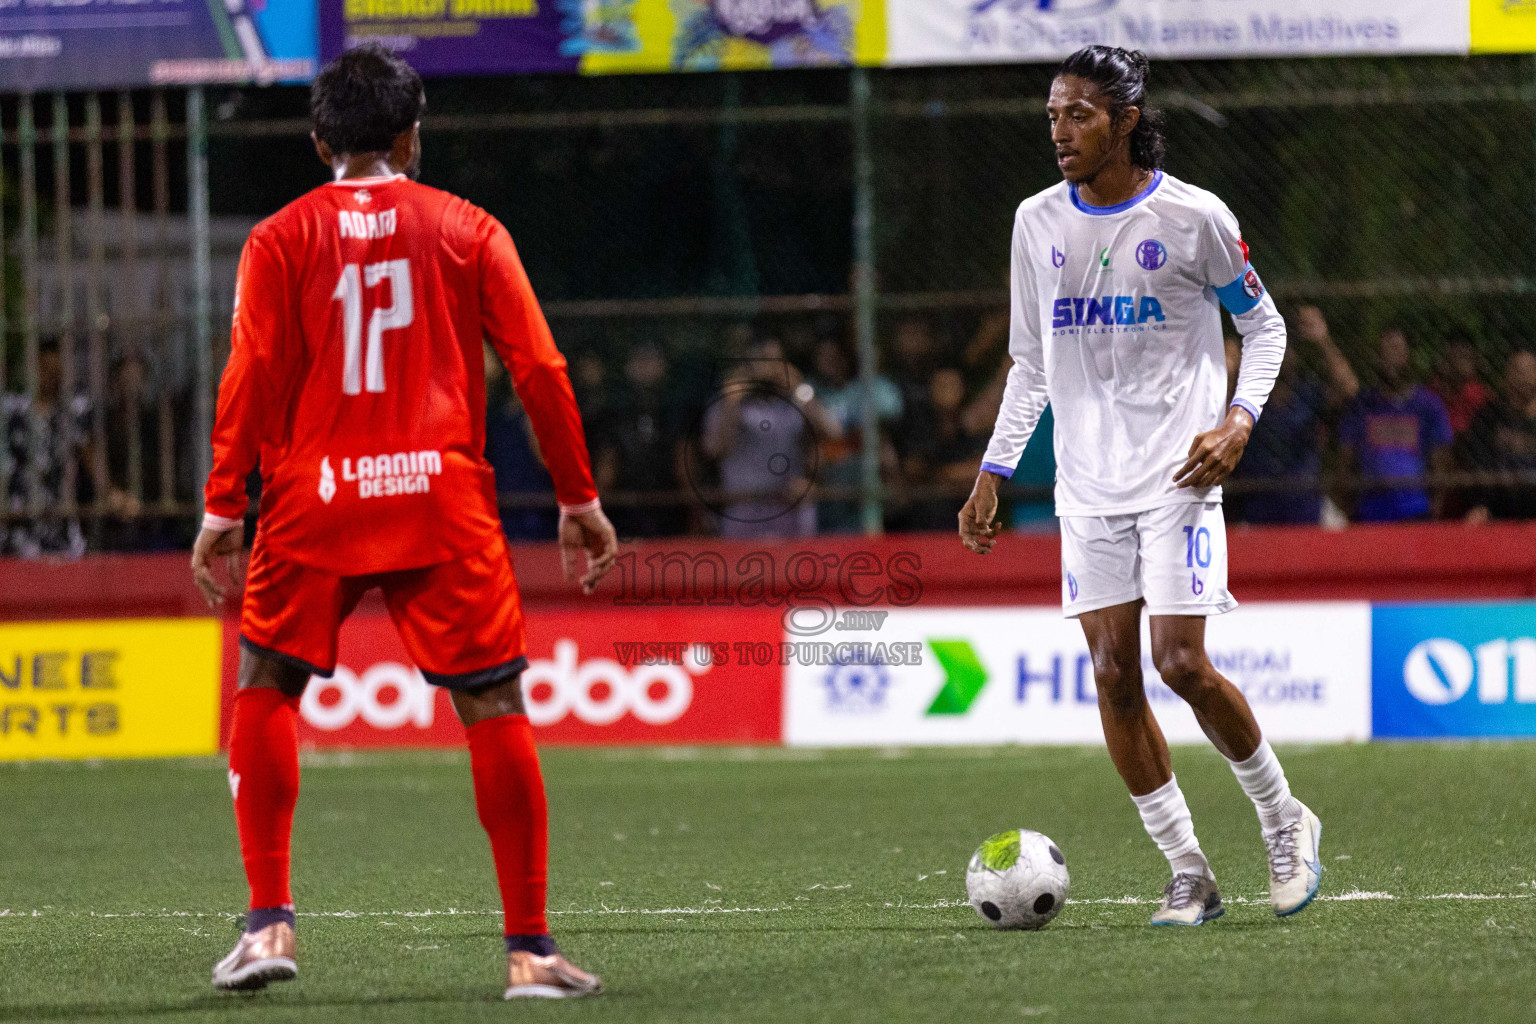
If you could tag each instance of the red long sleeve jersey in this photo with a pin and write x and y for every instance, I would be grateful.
(356, 378)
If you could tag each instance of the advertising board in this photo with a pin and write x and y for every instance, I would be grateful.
(591, 679)
(1004, 31)
(1453, 670)
(109, 688)
(103, 44)
(1023, 675)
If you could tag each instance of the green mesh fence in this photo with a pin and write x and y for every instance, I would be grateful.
(696, 218)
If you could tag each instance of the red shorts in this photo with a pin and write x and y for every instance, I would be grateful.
(461, 621)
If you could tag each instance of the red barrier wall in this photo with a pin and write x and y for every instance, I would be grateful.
(1378, 563)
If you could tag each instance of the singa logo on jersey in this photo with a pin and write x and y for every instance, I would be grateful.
(1108, 311)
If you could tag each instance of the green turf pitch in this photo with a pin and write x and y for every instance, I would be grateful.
(778, 886)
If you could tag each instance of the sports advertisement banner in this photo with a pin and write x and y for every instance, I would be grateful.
(454, 37)
(104, 44)
(1004, 31)
(110, 688)
(1023, 675)
(1314, 672)
(1442, 670)
(619, 677)
(1504, 26)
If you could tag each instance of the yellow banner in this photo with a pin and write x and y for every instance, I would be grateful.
(1504, 26)
(109, 688)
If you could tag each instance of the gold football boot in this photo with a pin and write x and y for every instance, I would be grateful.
(530, 976)
(258, 958)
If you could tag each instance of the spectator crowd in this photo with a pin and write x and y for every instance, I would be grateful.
(762, 435)
(1337, 443)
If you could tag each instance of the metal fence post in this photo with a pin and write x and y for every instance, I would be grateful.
(95, 312)
(26, 135)
(202, 299)
(64, 267)
(870, 513)
(130, 325)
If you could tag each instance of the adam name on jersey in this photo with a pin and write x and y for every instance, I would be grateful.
(1111, 310)
(367, 225)
(383, 476)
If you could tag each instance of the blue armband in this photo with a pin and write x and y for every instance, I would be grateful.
(1243, 294)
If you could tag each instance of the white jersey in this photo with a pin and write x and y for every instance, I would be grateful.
(1116, 323)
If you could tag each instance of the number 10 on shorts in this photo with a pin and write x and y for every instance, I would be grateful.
(1197, 547)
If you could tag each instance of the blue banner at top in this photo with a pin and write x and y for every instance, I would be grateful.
(107, 44)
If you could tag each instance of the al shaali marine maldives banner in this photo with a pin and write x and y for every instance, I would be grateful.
(447, 37)
(1002, 31)
(104, 44)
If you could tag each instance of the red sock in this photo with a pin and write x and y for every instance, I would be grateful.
(509, 794)
(264, 778)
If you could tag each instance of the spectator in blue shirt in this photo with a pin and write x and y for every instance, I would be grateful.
(1397, 431)
(1288, 440)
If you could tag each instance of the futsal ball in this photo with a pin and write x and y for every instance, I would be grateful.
(1018, 879)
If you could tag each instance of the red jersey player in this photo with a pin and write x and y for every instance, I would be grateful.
(356, 382)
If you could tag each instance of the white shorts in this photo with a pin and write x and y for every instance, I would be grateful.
(1174, 556)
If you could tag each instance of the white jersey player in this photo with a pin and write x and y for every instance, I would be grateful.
(1119, 274)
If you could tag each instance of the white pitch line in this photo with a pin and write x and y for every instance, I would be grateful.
(1354, 895)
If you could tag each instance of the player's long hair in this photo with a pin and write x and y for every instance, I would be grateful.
(364, 99)
(1122, 76)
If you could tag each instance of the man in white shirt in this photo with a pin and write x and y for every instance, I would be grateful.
(1117, 273)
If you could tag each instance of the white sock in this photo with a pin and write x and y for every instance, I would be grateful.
(1263, 780)
(1168, 821)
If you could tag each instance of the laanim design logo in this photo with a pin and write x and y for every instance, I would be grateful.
(327, 480)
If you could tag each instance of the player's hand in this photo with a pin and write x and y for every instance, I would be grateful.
(593, 533)
(978, 519)
(213, 544)
(1215, 454)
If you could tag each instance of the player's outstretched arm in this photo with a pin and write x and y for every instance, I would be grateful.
(212, 545)
(978, 519)
(592, 533)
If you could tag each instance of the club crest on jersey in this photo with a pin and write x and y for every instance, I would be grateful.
(1058, 258)
(1252, 286)
(1151, 254)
